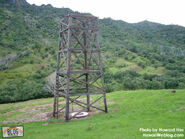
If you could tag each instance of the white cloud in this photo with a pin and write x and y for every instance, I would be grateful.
(162, 11)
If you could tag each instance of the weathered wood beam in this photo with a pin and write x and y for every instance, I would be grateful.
(90, 105)
(81, 16)
(68, 70)
(79, 50)
(79, 71)
(84, 94)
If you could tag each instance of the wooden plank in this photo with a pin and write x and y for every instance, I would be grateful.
(65, 24)
(71, 89)
(78, 39)
(86, 104)
(77, 60)
(84, 28)
(101, 71)
(90, 84)
(81, 16)
(69, 103)
(79, 50)
(85, 71)
(56, 93)
(76, 103)
(62, 31)
(68, 71)
(78, 71)
(89, 104)
(84, 94)
(86, 67)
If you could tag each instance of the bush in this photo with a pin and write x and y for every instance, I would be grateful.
(171, 83)
(22, 90)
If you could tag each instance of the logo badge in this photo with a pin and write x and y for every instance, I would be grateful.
(15, 131)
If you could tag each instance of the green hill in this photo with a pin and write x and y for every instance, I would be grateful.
(142, 55)
(128, 112)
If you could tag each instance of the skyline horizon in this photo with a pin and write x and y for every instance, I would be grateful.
(39, 3)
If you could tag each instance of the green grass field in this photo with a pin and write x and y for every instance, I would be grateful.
(128, 112)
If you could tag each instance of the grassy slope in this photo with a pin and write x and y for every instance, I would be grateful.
(132, 110)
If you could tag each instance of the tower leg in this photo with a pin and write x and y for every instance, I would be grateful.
(86, 67)
(68, 70)
(101, 71)
(88, 103)
(105, 102)
(55, 106)
(88, 98)
(67, 110)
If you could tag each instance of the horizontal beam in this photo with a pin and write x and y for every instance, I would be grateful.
(84, 28)
(81, 16)
(80, 94)
(76, 50)
(84, 94)
(79, 27)
(72, 89)
(79, 71)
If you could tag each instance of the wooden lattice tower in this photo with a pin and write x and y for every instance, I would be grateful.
(79, 65)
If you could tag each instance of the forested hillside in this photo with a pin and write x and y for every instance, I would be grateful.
(143, 55)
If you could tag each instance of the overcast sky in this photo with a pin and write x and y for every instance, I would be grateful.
(161, 11)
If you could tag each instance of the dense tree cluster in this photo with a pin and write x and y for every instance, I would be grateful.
(131, 80)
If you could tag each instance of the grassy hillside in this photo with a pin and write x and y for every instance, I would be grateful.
(143, 55)
(128, 112)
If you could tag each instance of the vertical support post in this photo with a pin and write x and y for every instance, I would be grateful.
(68, 68)
(55, 112)
(55, 106)
(86, 67)
(101, 69)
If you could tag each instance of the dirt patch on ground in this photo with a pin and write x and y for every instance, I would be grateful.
(30, 114)
(44, 112)
(180, 109)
